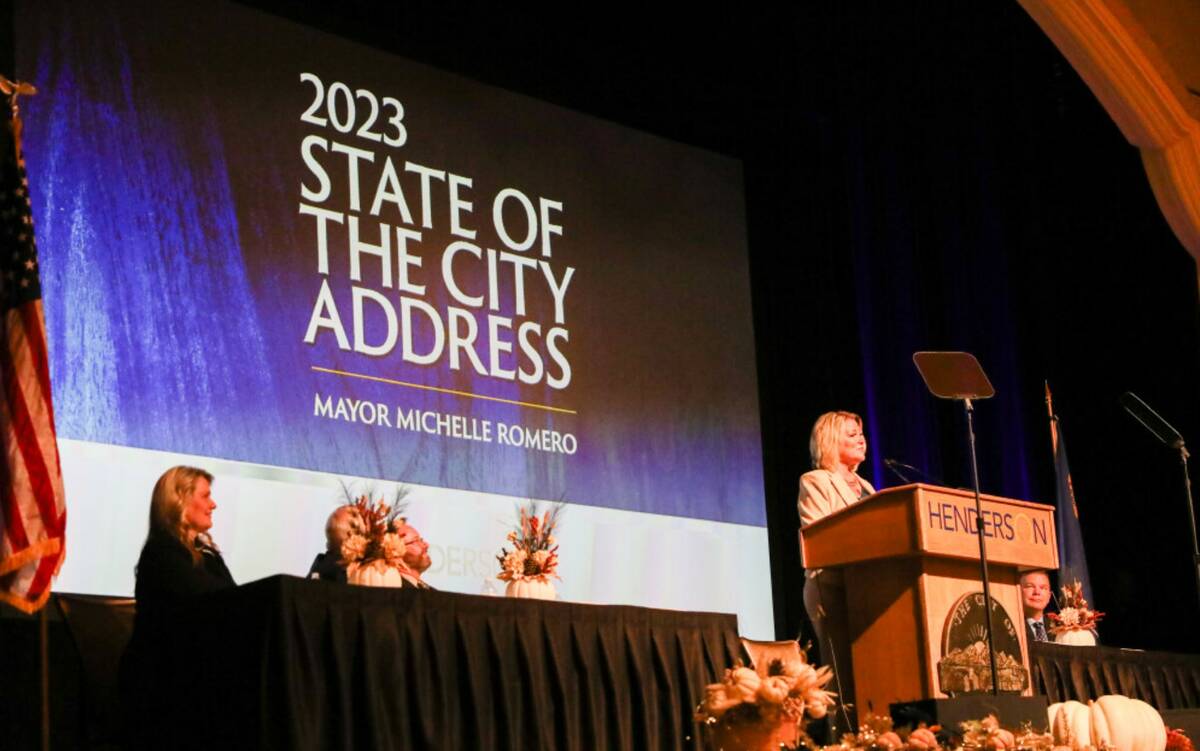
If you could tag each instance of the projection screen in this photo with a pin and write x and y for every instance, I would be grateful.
(303, 263)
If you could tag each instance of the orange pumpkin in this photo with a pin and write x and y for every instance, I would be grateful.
(1004, 739)
(922, 739)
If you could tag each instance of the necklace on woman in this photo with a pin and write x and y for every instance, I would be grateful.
(852, 480)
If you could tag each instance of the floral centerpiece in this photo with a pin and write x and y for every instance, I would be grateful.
(764, 709)
(1075, 622)
(534, 558)
(986, 734)
(877, 734)
(373, 551)
(1177, 740)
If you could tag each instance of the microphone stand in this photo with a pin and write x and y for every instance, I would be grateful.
(1187, 487)
(1162, 430)
(983, 567)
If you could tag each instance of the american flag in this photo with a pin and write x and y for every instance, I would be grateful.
(34, 515)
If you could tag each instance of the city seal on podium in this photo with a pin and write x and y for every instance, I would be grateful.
(964, 667)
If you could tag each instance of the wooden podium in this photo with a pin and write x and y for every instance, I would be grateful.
(910, 557)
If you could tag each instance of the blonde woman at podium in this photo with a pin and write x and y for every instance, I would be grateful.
(837, 446)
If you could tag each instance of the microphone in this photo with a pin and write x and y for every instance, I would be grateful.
(1151, 420)
(902, 465)
(895, 466)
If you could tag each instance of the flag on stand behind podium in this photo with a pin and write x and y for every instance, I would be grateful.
(1072, 563)
(33, 511)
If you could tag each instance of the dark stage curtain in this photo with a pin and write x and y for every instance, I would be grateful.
(960, 188)
(299, 664)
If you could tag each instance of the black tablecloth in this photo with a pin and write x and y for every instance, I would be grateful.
(300, 664)
(1162, 679)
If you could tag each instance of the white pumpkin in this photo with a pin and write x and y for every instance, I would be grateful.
(1070, 722)
(1131, 725)
(531, 588)
(1079, 637)
(1154, 724)
(1101, 732)
(374, 574)
(1115, 721)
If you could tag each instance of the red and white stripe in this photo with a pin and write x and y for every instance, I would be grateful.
(33, 522)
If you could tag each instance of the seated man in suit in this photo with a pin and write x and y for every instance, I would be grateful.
(329, 565)
(416, 553)
(1035, 596)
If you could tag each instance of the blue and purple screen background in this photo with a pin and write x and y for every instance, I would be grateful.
(164, 154)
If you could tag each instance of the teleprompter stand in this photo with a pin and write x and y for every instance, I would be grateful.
(958, 376)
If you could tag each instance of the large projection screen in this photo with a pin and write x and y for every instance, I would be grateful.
(300, 262)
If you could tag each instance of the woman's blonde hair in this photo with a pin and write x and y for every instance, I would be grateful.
(826, 434)
(167, 502)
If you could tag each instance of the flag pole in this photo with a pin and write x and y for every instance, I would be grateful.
(41, 549)
(1053, 419)
(44, 660)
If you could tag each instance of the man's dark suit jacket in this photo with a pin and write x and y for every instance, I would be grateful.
(326, 568)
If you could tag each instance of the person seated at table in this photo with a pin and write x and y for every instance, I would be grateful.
(178, 562)
(179, 558)
(330, 566)
(1035, 596)
(837, 447)
(416, 553)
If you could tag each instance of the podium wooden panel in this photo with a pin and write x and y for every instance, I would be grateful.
(910, 556)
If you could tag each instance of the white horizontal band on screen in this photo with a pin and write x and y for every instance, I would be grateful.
(439, 389)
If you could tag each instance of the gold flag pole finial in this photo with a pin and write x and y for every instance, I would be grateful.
(1053, 419)
(14, 90)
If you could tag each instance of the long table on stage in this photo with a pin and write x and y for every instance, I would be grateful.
(1163, 679)
(298, 664)
(287, 663)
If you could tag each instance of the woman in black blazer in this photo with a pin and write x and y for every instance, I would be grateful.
(179, 561)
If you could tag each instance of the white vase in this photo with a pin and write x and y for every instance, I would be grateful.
(536, 589)
(1076, 638)
(374, 574)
